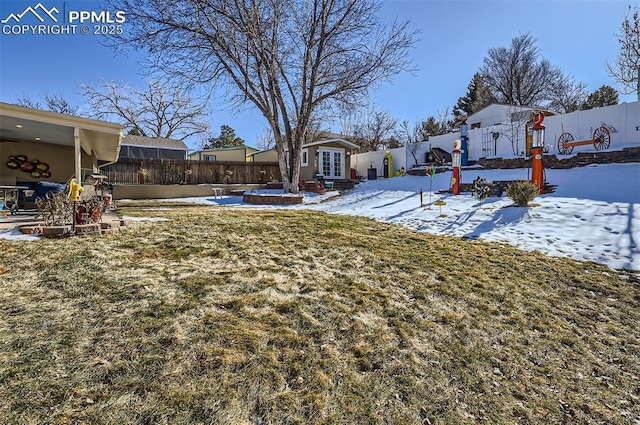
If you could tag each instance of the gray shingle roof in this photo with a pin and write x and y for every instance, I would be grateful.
(154, 142)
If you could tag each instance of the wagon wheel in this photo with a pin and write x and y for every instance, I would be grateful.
(565, 138)
(601, 138)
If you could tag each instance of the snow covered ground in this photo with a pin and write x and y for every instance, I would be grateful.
(593, 215)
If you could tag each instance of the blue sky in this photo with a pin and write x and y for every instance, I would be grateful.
(576, 35)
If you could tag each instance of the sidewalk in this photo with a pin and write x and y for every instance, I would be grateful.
(20, 219)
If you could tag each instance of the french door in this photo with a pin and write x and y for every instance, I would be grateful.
(332, 163)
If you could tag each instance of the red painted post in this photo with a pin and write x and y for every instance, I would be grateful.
(456, 162)
(537, 166)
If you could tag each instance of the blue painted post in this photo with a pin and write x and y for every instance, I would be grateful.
(464, 139)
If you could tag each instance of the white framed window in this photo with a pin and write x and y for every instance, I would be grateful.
(305, 157)
(209, 157)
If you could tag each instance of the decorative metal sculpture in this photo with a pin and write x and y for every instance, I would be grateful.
(55, 209)
(601, 140)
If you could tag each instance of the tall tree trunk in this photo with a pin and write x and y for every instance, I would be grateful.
(289, 163)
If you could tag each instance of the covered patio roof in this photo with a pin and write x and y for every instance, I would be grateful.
(101, 138)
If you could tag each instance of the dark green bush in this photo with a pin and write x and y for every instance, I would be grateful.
(522, 192)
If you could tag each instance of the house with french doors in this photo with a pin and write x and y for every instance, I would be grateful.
(327, 158)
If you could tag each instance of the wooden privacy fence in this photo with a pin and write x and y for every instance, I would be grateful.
(178, 171)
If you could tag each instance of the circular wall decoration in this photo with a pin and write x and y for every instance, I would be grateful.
(34, 167)
(27, 167)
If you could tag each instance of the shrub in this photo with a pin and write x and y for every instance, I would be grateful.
(522, 192)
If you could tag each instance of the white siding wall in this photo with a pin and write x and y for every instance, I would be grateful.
(361, 162)
(623, 120)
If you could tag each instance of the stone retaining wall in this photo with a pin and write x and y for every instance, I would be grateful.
(579, 160)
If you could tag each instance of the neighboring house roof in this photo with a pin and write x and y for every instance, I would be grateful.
(323, 141)
(501, 106)
(233, 148)
(154, 142)
(249, 150)
(329, 135)
(262, 151)
(338, 140)
(504, 110)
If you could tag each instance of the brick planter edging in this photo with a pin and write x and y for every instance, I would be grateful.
(103, 228)
(254, 199)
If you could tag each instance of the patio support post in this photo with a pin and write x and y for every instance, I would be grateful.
(77, 150)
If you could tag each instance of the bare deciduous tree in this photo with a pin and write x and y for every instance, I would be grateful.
(51, 102)
(516, 75)
(289, 58)
(567, 95)
(265, 140)
(626, 67)
(447, 124)
(412, 136)
(517, 123)
(160, 110)
(373, 129)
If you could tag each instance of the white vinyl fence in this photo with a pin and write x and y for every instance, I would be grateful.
(507, 140)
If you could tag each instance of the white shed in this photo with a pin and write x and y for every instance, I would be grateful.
(497, 114)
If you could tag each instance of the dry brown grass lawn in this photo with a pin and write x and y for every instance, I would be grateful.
(224, 316)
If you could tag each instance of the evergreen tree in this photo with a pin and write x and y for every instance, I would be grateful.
(135, 131)
(478, 96)
(432, 127)
(604, 96)
(227, 139)
(392, 143)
